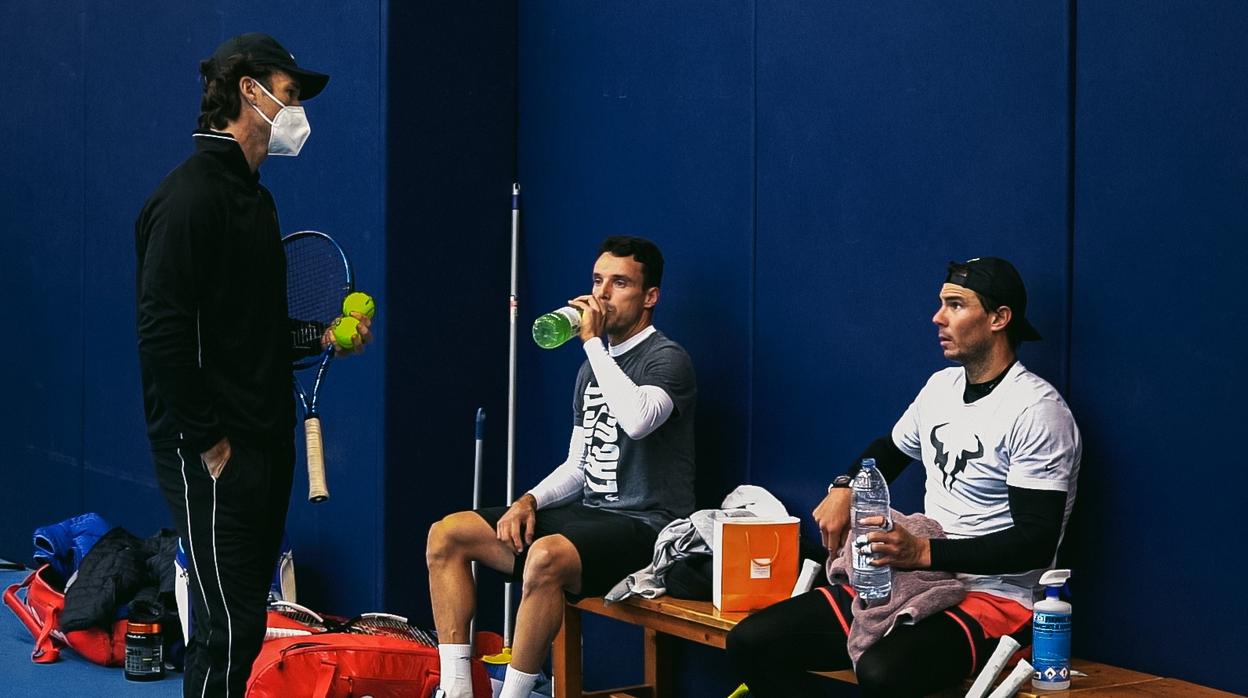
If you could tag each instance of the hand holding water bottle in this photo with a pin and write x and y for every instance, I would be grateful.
(898, 548)
(869, 516)
(593, 315)
(584, 316)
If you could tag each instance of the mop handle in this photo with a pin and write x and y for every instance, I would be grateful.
(511, 389)
(476, 504)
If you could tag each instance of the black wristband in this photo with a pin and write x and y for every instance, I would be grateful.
(841, 482)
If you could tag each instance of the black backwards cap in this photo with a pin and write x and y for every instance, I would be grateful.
(262, 49)
(998, 280)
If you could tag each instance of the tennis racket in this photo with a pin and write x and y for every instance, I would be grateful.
(288, 619)
(318, 277)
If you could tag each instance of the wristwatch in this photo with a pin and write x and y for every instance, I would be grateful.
(841, 482)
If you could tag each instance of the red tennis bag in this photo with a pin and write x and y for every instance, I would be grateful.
(339, 665)
(40, 608)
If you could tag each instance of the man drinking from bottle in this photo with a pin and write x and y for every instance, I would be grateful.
(594, 519)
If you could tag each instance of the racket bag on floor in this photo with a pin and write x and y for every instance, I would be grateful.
(339, 665)
(39, 609)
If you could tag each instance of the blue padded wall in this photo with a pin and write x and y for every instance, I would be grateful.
(1097, 147)
(786, 212)
(42, 268)
(807, 168)
(451, 146)
(1158, 377)
(637, 118)
(892, 138)
(100, 127)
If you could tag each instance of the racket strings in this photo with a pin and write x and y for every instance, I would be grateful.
(376, 624)
(297, 613)
(387, 625)
(317, 279)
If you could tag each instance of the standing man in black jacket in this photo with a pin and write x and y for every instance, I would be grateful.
(215, 349)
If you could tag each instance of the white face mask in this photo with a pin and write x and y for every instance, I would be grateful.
(290, 128)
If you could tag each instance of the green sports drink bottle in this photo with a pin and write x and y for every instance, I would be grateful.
(555, 328)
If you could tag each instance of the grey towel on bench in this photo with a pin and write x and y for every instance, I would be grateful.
(916, 595)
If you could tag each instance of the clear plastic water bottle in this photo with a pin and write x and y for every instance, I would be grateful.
(555, 328)
(869, 492)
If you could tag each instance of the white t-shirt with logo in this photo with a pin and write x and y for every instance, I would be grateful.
(1021, 434)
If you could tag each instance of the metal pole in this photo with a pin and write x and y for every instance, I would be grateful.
(476, 504)
(511, 391)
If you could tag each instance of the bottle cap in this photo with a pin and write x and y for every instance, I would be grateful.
(1054, 578)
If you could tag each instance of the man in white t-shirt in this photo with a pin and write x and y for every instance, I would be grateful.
(1000, 452)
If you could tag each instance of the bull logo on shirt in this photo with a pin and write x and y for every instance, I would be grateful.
(949, 475)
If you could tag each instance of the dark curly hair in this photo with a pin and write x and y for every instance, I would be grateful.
(640, 249)
(221, 101)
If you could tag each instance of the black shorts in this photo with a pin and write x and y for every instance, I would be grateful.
(612, 546)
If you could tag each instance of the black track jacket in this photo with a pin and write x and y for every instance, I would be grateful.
(214, 340)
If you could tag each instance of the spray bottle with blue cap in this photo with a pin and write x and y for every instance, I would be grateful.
(1050, 632)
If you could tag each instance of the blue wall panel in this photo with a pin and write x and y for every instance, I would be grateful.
(451, 150)
(41, 268)
(636, 118)
(104, 127)
(119, 480)
(892, 138)
(1158, 377)
(807, 167)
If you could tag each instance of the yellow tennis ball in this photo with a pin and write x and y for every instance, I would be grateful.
(344, 329)
(359, 302)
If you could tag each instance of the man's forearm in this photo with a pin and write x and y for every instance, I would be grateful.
(639, 410)
(1027, 545)
(565, 483)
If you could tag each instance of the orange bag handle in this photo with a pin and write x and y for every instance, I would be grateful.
(750, 548)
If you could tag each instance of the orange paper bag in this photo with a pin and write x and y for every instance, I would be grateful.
(756, 562)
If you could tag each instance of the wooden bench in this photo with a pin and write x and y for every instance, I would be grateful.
(664, 618)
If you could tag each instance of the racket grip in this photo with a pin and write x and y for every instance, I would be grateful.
(318, 491)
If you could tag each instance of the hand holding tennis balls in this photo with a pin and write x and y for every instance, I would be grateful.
(357, 314)
(345, 329)
(359, 302)
(358, 309)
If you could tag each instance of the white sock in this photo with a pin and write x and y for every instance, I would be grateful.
(517, 684)
(456, 679)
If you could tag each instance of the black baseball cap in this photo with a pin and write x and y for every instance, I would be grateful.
(997, 280)
(262, 49)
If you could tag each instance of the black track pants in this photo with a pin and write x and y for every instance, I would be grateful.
(231, 528)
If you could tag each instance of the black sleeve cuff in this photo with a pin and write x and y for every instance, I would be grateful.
(305, 338)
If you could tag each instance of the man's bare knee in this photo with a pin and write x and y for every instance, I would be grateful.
(454, 537)
(552, 560)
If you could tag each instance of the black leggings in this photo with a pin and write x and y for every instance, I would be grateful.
(774, 649)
